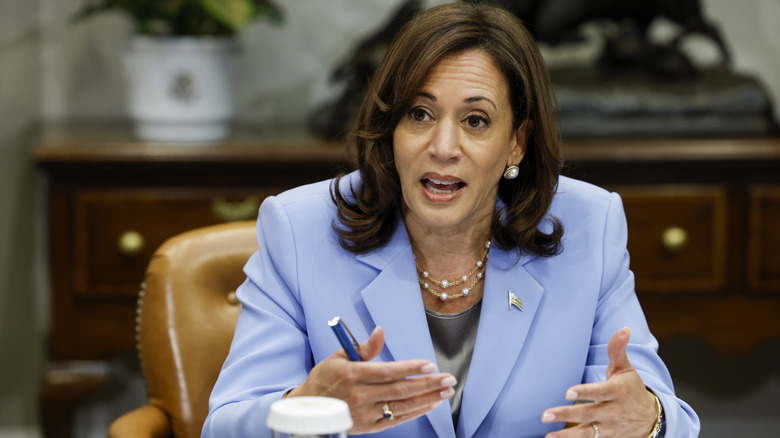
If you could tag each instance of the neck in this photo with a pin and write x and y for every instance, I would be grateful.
(444, 257)
(448, 253)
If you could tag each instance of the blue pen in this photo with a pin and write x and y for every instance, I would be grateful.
(345, 338)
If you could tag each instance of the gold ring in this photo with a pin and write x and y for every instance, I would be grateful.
(387, 414)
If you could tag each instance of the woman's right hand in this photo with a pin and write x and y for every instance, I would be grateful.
(366, 386)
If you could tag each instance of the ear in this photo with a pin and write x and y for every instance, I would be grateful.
(519, 142)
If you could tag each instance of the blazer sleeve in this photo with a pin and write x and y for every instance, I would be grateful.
(271, 330)
(619, 307)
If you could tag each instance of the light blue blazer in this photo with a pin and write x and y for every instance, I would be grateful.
(523, 361)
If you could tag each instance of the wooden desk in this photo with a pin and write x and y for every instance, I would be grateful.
(703, 220)
(703, 217)
(112, 202)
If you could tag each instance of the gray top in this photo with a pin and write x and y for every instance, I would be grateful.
(453, 341)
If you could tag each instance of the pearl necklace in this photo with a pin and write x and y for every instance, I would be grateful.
(426, 280)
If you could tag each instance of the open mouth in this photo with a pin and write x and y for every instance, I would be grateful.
(441, 189)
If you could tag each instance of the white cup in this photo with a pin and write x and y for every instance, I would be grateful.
(309, 417)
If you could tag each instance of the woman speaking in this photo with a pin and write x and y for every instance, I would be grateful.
(491, 293)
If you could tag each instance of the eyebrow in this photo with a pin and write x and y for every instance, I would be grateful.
(467, 100)
(478, 98)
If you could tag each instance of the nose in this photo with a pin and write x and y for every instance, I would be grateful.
(444, 143)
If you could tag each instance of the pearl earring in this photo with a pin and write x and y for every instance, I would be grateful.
(511, 172)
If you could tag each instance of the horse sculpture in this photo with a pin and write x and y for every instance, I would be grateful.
(551, 22)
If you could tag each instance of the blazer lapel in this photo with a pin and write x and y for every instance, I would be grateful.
(500, 337)
(394, 302)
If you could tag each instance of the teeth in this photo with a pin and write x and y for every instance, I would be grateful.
(438, 191)
(446, 183)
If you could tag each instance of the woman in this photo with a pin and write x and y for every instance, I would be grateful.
(450, 237)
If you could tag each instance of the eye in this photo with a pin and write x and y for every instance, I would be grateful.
(418, 114)
(477, 121)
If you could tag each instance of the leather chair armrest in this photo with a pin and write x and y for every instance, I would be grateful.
(146, 421)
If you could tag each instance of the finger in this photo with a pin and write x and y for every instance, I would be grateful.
(385, 372)
(414, 404)
(593, 392)
(413, 387)
(602, 413)
(382, 423)
(367, 401)
(616, 349)
(373, 345)
(433, 388)
(584, 430)
(411, 415)
(569, 414)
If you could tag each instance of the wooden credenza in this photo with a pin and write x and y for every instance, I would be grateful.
(112, 201)
(704, 225)
(703, 228)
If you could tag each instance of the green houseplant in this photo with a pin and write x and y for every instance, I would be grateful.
(186, 17)
(180, 64)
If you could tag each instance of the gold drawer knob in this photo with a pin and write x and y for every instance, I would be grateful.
(131, 243)
(228, 211)
(675, 239)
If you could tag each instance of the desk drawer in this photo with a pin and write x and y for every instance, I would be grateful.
(117, 231)
(677, 237)
(764, 239)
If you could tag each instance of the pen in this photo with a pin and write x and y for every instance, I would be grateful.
(345, 338)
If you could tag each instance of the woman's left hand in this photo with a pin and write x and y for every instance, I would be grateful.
(622, 406)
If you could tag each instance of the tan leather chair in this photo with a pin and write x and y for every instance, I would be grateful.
(186, 317)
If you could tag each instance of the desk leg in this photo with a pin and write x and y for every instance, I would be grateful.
(65, 385)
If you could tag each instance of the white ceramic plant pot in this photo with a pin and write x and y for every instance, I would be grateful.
(181, 89)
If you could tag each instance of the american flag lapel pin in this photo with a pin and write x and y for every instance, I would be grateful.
(514, 301)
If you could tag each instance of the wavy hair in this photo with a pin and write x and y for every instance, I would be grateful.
(367, 213)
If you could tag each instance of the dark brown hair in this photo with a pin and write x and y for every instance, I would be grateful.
(367, 214)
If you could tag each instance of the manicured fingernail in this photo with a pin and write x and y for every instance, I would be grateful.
(435, 405)
(447, 393)
(571, 395)
(548, 417)
(448, 381)
(428, 368)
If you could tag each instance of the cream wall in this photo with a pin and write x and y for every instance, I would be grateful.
(53, 70)
(82, 75)
(20, 316)
(752, 31)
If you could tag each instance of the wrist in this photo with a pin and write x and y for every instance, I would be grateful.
(297, 391)
(659, 420)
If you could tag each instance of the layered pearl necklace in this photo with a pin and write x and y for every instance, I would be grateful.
(479, 269)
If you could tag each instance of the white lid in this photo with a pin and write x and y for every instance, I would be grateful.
(309, 415)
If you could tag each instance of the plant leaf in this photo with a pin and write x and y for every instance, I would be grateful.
(234, 14)
(272, 13)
